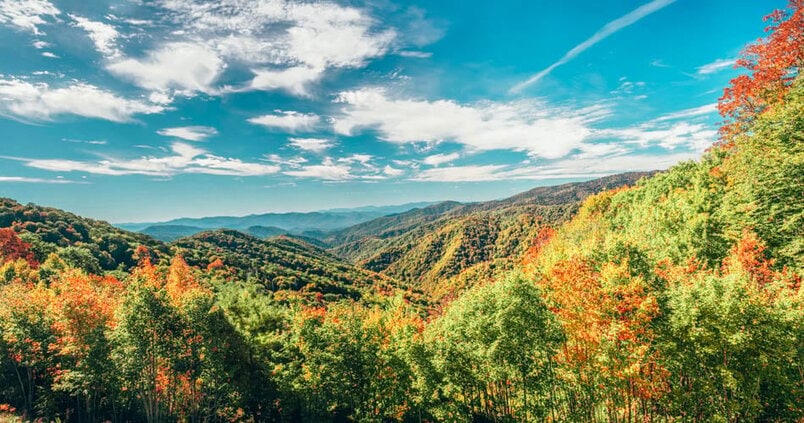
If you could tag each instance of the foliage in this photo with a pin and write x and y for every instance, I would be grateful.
(677, 299)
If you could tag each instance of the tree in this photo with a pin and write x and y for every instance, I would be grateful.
(774, 63)
(495, 348)
(13, 248)
(83, 313)
(146, 339)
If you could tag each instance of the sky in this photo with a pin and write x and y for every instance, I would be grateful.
(135, 110)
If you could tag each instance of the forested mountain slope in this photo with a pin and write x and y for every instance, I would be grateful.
(280, 264)
(425, 247)
(400, 223)
(93, 244)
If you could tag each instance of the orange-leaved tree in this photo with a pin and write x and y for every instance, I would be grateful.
(774, 63)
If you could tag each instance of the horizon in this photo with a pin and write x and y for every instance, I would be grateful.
(327, 210)
(147, 113)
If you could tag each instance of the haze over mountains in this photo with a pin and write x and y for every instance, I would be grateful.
(341, 226)
(269, 224)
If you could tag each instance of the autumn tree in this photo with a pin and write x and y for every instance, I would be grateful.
(13, 248)
(773, 64)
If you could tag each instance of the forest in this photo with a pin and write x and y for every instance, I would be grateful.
(676, 297)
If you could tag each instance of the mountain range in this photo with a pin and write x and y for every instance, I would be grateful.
(417, 245)
(269, 224)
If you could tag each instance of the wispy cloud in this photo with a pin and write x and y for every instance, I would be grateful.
(562, 169)
(680, 135)
(182, 158)
(471, 173)
(28, 101)
(607, 30)
(688, 113)
(189, 133)
(529, 126)
(415, 54)
(716, 66)
(182, 67)
(26, 180)
(439, 159)
(295, 80)
(392, 171)
(314, 145)
(90, 142)
(287, 120)
(328, 170)
(103, 35)
(27, 15)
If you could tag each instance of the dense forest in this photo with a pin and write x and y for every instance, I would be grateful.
(677, 297)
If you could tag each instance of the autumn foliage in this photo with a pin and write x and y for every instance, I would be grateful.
(13, 248)
(679, 299)
(773, 64)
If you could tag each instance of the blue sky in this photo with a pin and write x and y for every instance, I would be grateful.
(135, 110)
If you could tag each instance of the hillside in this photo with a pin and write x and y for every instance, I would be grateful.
(428, 246)
(49, 229)
(400, 223)
(280, 264)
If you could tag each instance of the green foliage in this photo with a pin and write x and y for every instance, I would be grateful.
(734, 354)
(281, 264)
(48, 229)
(494, 349)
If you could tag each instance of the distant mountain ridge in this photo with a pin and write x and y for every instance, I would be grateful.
(269, 224)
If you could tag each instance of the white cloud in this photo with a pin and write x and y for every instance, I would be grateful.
(597, 167)
(103, 35)
(315, 145)
(288, 45)
(472, 173)
(574, 168)
(294, 80)
(439, 159)
(287, 120)
(25, 180)
(392, 171)
(330, 35)
(607, 30)
(415, 54)
(529, 126)
(25, 100)
(39, 44)
(697, 137)
(182, 66)
(327, 170)
(90, 142)
(294, 163)
(716, 66)
(687, 113)
(184, 158)
(363, 159)
(189, 133)
(27, 14)
(49, 55)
